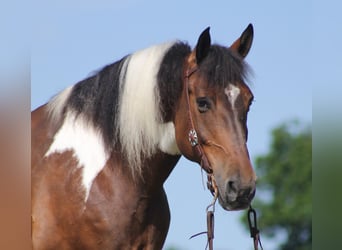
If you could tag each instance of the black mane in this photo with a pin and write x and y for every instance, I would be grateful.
(223, 66)
(97, 97)
(170, 77)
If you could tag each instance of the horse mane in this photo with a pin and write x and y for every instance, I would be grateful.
(128, 102)
(222, 67)
(140, 124)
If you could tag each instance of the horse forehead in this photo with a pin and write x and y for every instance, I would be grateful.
(232, 92)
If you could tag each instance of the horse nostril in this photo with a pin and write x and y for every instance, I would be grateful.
(232, 187)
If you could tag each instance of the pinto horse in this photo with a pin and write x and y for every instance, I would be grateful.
(102, 148)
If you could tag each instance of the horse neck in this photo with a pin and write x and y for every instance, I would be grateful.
(154, 171)
(157, 169)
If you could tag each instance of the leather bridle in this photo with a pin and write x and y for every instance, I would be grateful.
(196, 144)
(205, 165)
(193, 138)
(192, 134)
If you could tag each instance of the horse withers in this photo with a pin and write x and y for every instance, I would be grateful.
(102, 148)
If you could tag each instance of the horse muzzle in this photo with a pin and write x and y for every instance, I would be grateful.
(234, 196)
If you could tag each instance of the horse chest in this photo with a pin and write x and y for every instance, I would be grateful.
(114, 217)
(130, 221)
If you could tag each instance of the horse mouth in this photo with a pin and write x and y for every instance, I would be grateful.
(238, 203)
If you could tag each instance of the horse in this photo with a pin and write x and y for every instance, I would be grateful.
(103, 147)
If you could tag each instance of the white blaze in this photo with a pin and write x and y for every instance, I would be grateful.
(232, 93)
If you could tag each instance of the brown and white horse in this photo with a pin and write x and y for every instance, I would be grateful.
(102, 148)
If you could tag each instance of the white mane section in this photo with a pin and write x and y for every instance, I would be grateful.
(56, 105)
(141, 130)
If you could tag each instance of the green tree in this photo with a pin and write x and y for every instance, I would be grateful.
(284, 200)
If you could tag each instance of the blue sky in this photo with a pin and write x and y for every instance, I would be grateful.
(70, 40)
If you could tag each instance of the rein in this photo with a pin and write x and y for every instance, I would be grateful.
(211, 184)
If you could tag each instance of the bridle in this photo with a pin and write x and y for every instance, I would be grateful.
(192, 135)
(205, 165)
(194, 140)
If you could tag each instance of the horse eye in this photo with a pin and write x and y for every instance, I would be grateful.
(203, 104)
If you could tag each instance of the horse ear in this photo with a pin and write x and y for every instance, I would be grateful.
(203, 45)
(243, 44)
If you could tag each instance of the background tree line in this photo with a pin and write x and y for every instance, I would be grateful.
(284, 203)
(284, 188)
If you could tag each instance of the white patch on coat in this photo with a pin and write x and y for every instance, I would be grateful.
(87, 146)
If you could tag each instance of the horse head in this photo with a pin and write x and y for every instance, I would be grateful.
(211, 116)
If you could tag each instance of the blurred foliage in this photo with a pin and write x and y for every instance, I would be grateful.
(327, 176)
(284, 200)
